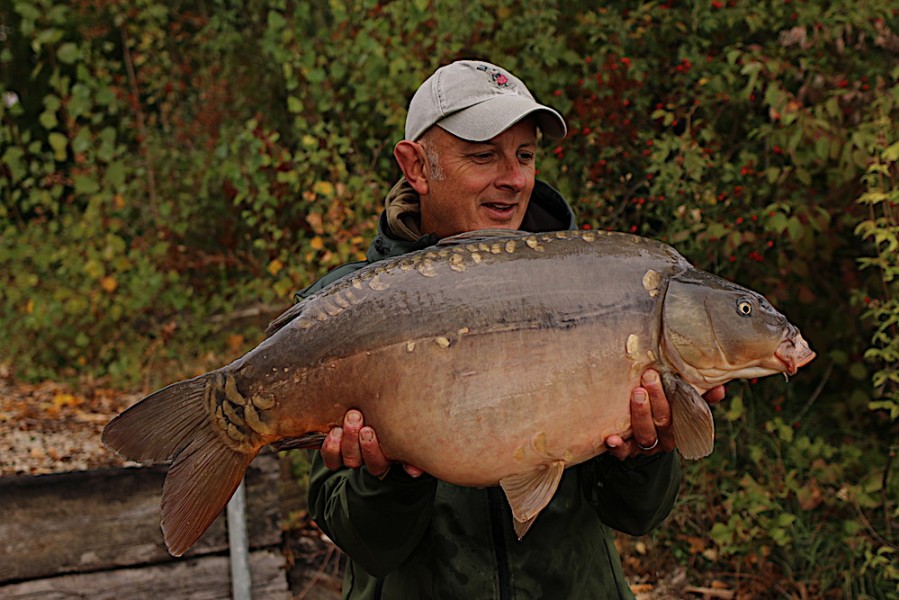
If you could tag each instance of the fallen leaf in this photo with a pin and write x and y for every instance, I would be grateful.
(109, 284)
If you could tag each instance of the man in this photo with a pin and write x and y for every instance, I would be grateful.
(468, 162)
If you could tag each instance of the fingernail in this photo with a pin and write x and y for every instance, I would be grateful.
(650, 377)
(611, 444)
(640, 395)
(337, 432)
(365, 435)
(353, 417)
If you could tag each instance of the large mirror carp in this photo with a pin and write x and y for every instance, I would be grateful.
(515, 352)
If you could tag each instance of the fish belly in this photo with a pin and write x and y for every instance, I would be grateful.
(474, 408)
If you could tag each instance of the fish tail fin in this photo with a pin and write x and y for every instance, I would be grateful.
(692, 420)
(198, 486)
(174, 425)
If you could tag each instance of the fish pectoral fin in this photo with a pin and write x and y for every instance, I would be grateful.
(694, 425)
(521, 527)
(529, 493)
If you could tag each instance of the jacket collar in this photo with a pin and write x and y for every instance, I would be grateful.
(398, 223)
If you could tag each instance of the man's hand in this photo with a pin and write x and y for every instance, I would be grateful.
(356, 444)
(651, 419)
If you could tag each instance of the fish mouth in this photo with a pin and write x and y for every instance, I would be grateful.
(794, 353)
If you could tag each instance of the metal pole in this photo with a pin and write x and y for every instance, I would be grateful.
(239, 544)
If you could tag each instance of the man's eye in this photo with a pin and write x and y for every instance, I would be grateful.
(526, 156)
(482, 156)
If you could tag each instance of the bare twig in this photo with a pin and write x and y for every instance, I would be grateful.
(331, 552)
(251, 311)
(815, 394)
(708, 592)
(884, 497)
(874, 533)
(141, 127)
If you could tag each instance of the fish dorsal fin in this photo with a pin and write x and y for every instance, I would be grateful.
(479, 235)
(694, 426)
(283, 319)
(529, 493)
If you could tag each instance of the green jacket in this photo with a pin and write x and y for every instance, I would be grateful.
(423, 538)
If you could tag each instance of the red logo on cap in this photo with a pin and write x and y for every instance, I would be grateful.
(499, 78)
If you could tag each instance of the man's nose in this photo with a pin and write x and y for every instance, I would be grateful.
(512, 175)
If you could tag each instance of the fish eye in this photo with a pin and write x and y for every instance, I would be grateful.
(744, 307)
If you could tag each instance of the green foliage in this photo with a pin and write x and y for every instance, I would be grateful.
(881, 228)
(793, 513)
(167, 166)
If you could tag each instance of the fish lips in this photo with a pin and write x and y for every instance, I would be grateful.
(794, 353)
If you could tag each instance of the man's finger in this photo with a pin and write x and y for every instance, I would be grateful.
(349, 446)
(331, 449)
(661, 410)
(374, 459)
(413, 471)
(715, 395)
(641, 419)
(618, 447)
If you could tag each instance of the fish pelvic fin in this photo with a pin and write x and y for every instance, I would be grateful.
(529, 493)
(694, 425)
(174, 425)
(307, 441)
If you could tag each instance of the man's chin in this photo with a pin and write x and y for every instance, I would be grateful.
(499, 219)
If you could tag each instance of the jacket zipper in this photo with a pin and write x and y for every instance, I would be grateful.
(496, 504)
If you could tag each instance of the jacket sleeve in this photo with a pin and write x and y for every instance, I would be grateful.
(634, 495)
(378, 523)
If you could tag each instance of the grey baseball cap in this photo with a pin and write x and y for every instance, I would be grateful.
(476, 101)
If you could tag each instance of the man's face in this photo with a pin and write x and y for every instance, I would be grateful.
(484, 185)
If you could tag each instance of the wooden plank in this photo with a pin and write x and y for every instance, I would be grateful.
(94, 520)
(205, 578)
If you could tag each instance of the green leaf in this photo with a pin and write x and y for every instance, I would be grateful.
(59, 143)
(82, 141)
(276, 20)
(48, 119)
(80, 101)
(721, 534)
(115, 174)
(735, 409)
(85, 184)
(12, 158)
(891, 154)
(68, 53)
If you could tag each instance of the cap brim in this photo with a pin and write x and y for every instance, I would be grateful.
(488, 119)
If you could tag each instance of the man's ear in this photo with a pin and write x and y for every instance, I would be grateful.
(410, 156)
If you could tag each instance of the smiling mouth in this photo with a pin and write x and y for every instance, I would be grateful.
(499, 208)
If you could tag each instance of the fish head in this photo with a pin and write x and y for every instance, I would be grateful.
(715, 331)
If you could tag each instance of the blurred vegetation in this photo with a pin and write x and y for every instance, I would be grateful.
(171, 171)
